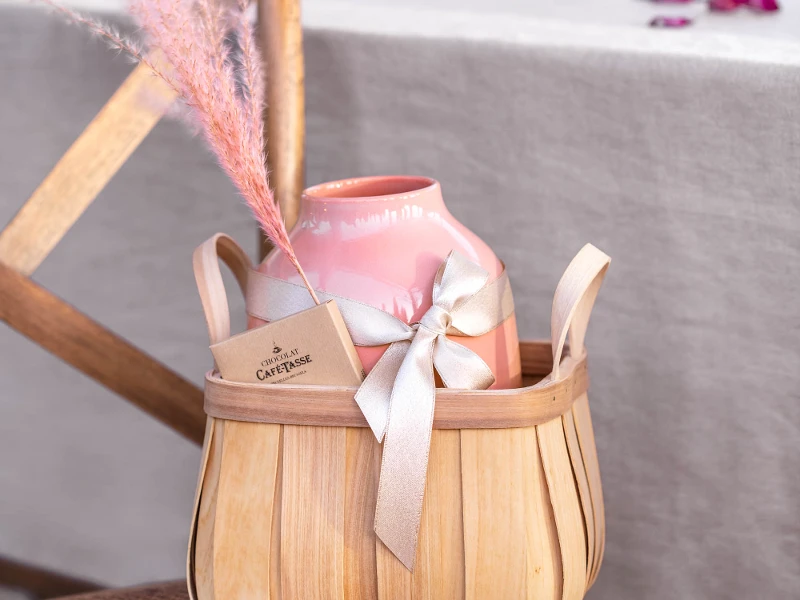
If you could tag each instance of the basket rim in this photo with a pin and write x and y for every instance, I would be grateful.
(334, 406)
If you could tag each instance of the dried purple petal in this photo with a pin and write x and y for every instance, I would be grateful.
(671, 22)
(764, 5)
(725, 5)
(729, 5)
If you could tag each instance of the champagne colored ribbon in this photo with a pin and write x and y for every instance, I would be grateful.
(398, 396)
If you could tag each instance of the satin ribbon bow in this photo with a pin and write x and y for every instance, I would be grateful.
(398, 396)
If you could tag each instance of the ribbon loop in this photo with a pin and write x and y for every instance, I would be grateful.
(457, 280)
(460, 368)
(398, 396)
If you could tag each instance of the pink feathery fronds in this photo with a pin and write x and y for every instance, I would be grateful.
(220, 80)
(109, 34)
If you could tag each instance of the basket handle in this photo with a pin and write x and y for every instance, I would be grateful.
(208, 276)
(573, 302)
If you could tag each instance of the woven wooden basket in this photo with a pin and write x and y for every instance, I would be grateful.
(513, 506)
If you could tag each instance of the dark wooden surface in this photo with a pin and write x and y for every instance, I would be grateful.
(40, 582)
(102, 355)
(174, 590)
(537, 357)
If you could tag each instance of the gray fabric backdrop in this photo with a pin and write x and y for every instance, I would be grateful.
(683, 168)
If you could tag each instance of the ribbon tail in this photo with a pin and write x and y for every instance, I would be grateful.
(374, 395)
(406, 447)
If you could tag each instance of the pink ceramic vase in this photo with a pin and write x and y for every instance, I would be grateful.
(380, 240)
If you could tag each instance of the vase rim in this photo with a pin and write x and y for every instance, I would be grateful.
(374, 188)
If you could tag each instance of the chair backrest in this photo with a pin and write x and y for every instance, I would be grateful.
(67, 191)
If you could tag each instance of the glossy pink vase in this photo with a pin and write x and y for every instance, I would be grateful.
(380, 240)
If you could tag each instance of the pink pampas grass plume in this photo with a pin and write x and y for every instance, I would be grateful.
(220, 80)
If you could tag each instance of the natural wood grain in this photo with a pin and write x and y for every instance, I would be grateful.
(439, 567)
(439, 564)
(599, 560)
(312, 513)
(523, 525)
(536, 357)
(214, 572)
(573, 301)
(455, 409)
(363, 467)
(206, 516)
(105, 357)
(210, 286)
(174, 590)
(191, 554)
(566, 507)
(510, 539)
(275, 547)
(393, 584)
(545, 572)
(43, 583)
(243, 523)
(523, 461)
(583, 426)
(493, 470)
(582, 481)
(84, 170)
(282, 39)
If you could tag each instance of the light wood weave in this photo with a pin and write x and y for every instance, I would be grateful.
(512, 507)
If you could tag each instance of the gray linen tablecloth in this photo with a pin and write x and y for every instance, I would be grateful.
(677, 155)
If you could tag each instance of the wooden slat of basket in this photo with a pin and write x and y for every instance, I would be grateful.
(312, 512)
(245, 495)
(275, 545)
(544, 558)
(85, 169)
(502, 497)
(91, 348)
(583, 426)
(494, 509)
(439, 571)
(566, 507)
(581, 479)
(393, 584)
(204, 543)
(363, 467)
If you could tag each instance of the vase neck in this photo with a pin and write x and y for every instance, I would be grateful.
(375, 194)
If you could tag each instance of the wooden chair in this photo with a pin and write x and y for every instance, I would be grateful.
(61, 199)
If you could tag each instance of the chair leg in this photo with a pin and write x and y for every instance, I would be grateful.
(282, 44)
